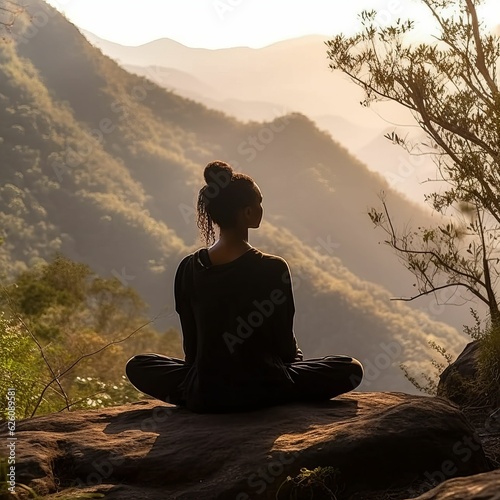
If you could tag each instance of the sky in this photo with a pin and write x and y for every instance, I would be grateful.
(217, 24)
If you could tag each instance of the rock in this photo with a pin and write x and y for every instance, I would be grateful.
(453, 381)
(152, 450)
(481, 486)
(459, 381)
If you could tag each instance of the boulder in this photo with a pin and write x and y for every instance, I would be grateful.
(152, 450)
(458, 382)
(484, 486)
(453, 382)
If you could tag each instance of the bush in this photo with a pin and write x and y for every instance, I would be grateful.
(20, 366)
(320, 483)
(62, 320)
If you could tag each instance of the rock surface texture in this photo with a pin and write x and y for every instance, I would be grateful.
(152, 450)
(481, 486)
(451, 382)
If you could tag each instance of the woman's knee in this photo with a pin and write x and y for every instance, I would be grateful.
(357, 373)
(133, 364)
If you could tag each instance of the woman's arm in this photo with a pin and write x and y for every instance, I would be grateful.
(284, 341)
(183, 308)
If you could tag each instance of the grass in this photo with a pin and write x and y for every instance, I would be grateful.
(320, 483)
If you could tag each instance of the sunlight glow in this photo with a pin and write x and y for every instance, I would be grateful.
(227, 23)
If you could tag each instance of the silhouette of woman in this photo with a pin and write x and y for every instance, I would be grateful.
(236, 310)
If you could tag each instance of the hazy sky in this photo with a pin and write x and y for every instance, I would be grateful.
(228, 23)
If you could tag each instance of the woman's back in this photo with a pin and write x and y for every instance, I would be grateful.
(237, 322)
(218, 256)
(236, 309)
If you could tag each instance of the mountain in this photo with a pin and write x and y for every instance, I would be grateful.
(292, 74)
(297, 78)
(104, 166)
(176, 80)
(349, 134)
(412, 174)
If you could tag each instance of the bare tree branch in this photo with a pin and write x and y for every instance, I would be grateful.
(39, 346)
(86, 356)
(435, 289)
(480, 62)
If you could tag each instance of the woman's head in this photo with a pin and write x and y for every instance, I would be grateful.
(229, 199)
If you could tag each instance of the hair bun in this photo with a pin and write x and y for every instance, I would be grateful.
(216, 171)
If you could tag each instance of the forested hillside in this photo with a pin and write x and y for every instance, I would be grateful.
(104, 166)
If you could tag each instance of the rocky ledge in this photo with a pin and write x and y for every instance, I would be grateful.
(373, 442)
(480, 486)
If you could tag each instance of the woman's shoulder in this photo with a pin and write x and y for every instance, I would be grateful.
(271, 260)
(184, 260)
(181, 267)
(267, 261)
(186, 263)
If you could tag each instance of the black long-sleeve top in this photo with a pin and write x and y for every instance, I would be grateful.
(237, 326)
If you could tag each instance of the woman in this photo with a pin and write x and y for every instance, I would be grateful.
(236, 310)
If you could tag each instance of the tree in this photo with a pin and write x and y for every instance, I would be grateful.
(450, 86)
(66, 334)
(20, 366)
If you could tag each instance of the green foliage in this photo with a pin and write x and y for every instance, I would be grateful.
(93, 393)
(485, 390)
(451, 87)
(100, 165)
(5, 493)
(475, 331)
(20, 367)
(61, 283)
(428, 382)
(65, 324)
(319, 483)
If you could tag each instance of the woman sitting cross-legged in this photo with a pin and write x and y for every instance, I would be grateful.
(236, 310)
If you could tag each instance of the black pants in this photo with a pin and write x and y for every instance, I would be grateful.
(314, 379)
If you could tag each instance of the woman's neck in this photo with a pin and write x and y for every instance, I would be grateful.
(231, 241)
(234, 238)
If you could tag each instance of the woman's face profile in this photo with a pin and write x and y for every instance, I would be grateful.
(254, 212)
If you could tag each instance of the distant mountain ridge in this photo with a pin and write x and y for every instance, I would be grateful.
(105, 166)
(261, 84)
(307, 85)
